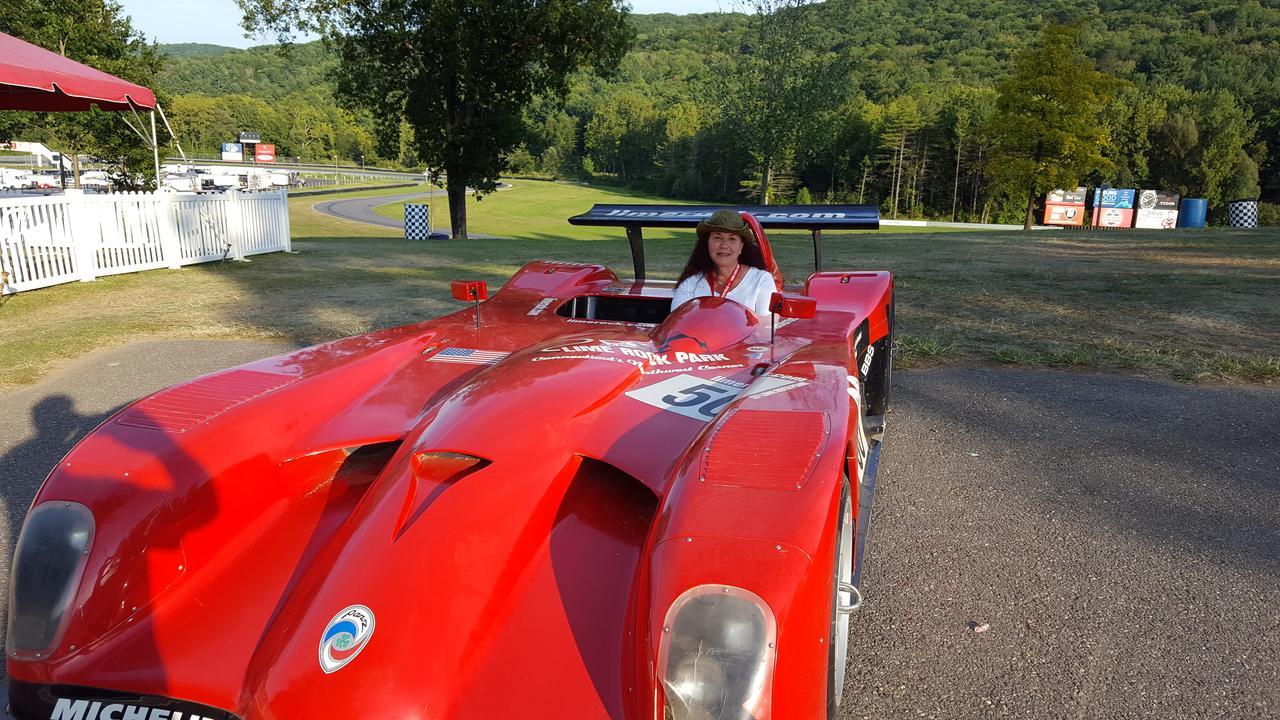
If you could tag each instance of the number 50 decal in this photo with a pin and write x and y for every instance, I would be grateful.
(688, 395)
(702, 398)
(705, 398)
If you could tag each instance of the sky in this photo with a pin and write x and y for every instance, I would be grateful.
(217, 22)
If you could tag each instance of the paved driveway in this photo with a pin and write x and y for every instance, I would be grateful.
(1119, 537)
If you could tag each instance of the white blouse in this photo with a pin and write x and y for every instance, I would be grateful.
(755, 290)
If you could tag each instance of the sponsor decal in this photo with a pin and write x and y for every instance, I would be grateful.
(626, 349)
(703, 214)
(344, 637)
(866, 360)
(69, 709)
(703, 398)
(773, 384)
(543, 304)
(468, 356)
(611, 323)
(855, 393)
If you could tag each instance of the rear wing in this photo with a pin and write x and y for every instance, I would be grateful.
(814, 218)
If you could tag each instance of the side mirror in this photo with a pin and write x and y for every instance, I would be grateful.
(469, 290)
(792, 305)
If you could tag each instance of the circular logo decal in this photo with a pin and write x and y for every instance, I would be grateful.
(344, 637)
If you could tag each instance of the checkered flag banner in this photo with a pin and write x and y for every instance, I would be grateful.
(416, 222)
(1243, 213)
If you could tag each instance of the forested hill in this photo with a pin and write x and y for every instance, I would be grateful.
(895, 44)
(262, 72)
(921, 75)
(189, 50)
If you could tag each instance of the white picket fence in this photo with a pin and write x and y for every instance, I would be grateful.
(64, 238)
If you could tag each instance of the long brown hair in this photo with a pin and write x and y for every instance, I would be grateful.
(700, 262)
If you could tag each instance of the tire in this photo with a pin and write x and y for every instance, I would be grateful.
(838, 644)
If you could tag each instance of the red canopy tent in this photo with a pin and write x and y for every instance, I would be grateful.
(32, 78)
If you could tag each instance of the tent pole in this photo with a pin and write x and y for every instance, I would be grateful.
(135, 130)
(155, 148)
(172, 134)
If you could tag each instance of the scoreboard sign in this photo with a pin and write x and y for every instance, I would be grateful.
(1065, 207)
(1157, 209)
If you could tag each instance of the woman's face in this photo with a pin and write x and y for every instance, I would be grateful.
(724, 247)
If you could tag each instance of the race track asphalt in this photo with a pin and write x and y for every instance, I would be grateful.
(1118, 537)
(361, 209)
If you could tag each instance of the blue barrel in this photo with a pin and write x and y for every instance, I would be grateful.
(1192, 211)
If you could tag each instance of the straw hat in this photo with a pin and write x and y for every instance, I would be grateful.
(725, 221)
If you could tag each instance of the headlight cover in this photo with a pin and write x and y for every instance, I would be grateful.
(47, 567)
(717, 655)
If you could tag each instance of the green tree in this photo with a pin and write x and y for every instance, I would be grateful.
(623, 135)
(777, 82)
(1047, 128)
(310, 134)
(1130, 117)
(901, 122)
(461, 73)
(1202, 140)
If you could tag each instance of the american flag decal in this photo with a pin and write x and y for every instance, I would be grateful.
(468, 356)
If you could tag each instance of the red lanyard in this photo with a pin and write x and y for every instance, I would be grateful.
(711, 280)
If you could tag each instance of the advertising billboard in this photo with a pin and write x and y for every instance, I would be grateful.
(1065, 207)
(233, 152)
(264, 153)
(1113, 207)
(1157, 209)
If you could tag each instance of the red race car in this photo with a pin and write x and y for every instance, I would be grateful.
(566, 500)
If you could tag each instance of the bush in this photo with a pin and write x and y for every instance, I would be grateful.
(1268, 214)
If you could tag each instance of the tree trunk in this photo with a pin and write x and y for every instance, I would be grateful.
(457, 191)
(75, 169)
(976, 169)
(1031, 208)
(766, 176)
(897, 181)
(955, 188)
(917, 192)
(863, 187)
(831, 187)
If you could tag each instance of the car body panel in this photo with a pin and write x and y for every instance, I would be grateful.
(517, 494)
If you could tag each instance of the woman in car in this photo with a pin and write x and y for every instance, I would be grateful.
(726, 262)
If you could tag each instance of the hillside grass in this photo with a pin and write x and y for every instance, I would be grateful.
(1191, 305)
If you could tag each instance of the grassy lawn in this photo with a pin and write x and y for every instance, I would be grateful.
(537, 209)
(1192, 305)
